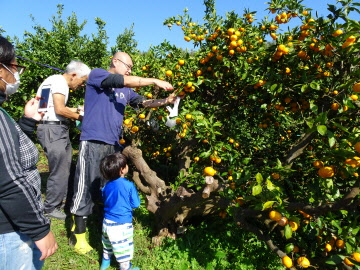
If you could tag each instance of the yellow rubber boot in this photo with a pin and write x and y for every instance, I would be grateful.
(82, 246)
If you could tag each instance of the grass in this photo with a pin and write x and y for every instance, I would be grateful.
(211, 244)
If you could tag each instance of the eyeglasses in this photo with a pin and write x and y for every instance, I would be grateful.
(20, 69)
(127, 65)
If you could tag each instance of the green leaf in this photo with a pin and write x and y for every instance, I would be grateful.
(321, 118)
(329, 183)
(332, 141)
(310, 123)
(256, 190)
(270, 186)
(313, 107)
(209, 266)
(220, 254)
(267, 205)
(246, 161)
(288, 231)
(355, 231)
(335, 259)
(315, 85)
(340, 127)
(322, 129)
(259, 178)
(273, 87)
(304, 88)
(336, 224)
(205, 154)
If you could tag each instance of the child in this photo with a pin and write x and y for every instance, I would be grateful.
(120, 197)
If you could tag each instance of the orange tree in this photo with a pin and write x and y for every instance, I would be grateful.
(267, 132)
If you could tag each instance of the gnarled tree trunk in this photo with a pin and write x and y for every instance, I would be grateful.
(173, 208)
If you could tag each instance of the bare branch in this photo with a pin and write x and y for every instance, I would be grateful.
(298, 149)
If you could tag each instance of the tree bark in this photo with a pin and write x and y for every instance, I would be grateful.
(173, 208)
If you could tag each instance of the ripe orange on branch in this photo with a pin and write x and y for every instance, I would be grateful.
(303, 262)
(287, 262)
(357, 147)
(348, 262)
(335, 106)
(275, 215)
(231, 31)
(328, 247)
(356, 256)
(356, 87)
(209, 171)
(134, 129)
(318, 164)
(337, 33)
(326, 172)
(294, 226)
(340, 243)
(122, 141)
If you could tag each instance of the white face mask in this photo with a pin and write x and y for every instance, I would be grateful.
(12, 87)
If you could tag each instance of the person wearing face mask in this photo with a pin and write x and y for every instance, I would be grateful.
(107, 94)
(53, 133)
(25, 236)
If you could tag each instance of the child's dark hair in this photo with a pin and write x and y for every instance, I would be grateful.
(111, 165)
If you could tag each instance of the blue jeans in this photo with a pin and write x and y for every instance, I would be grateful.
(19, 252)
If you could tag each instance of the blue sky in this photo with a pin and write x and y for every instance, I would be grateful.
(147, 15)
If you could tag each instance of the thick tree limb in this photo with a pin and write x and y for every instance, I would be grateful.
(240, 218)
(135, 155)
(139, 184)
(298, 149)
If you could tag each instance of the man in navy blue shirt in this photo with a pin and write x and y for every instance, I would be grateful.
(106, 96)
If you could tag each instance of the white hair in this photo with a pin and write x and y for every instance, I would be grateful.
(78, 67)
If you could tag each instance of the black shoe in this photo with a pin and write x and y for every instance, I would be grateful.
(56, 213)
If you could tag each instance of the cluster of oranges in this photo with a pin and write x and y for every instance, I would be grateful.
(214, 157)
(329, 171)
(355, 256)
(281, 50)
(189, 87)
(348, 42)
(284, 17)
(129, 124)
(303, 262)
(282, 220)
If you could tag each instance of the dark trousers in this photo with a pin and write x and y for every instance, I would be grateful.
(88, 179)
(55, 141)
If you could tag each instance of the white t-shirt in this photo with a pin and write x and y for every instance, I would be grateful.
(57, 85)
